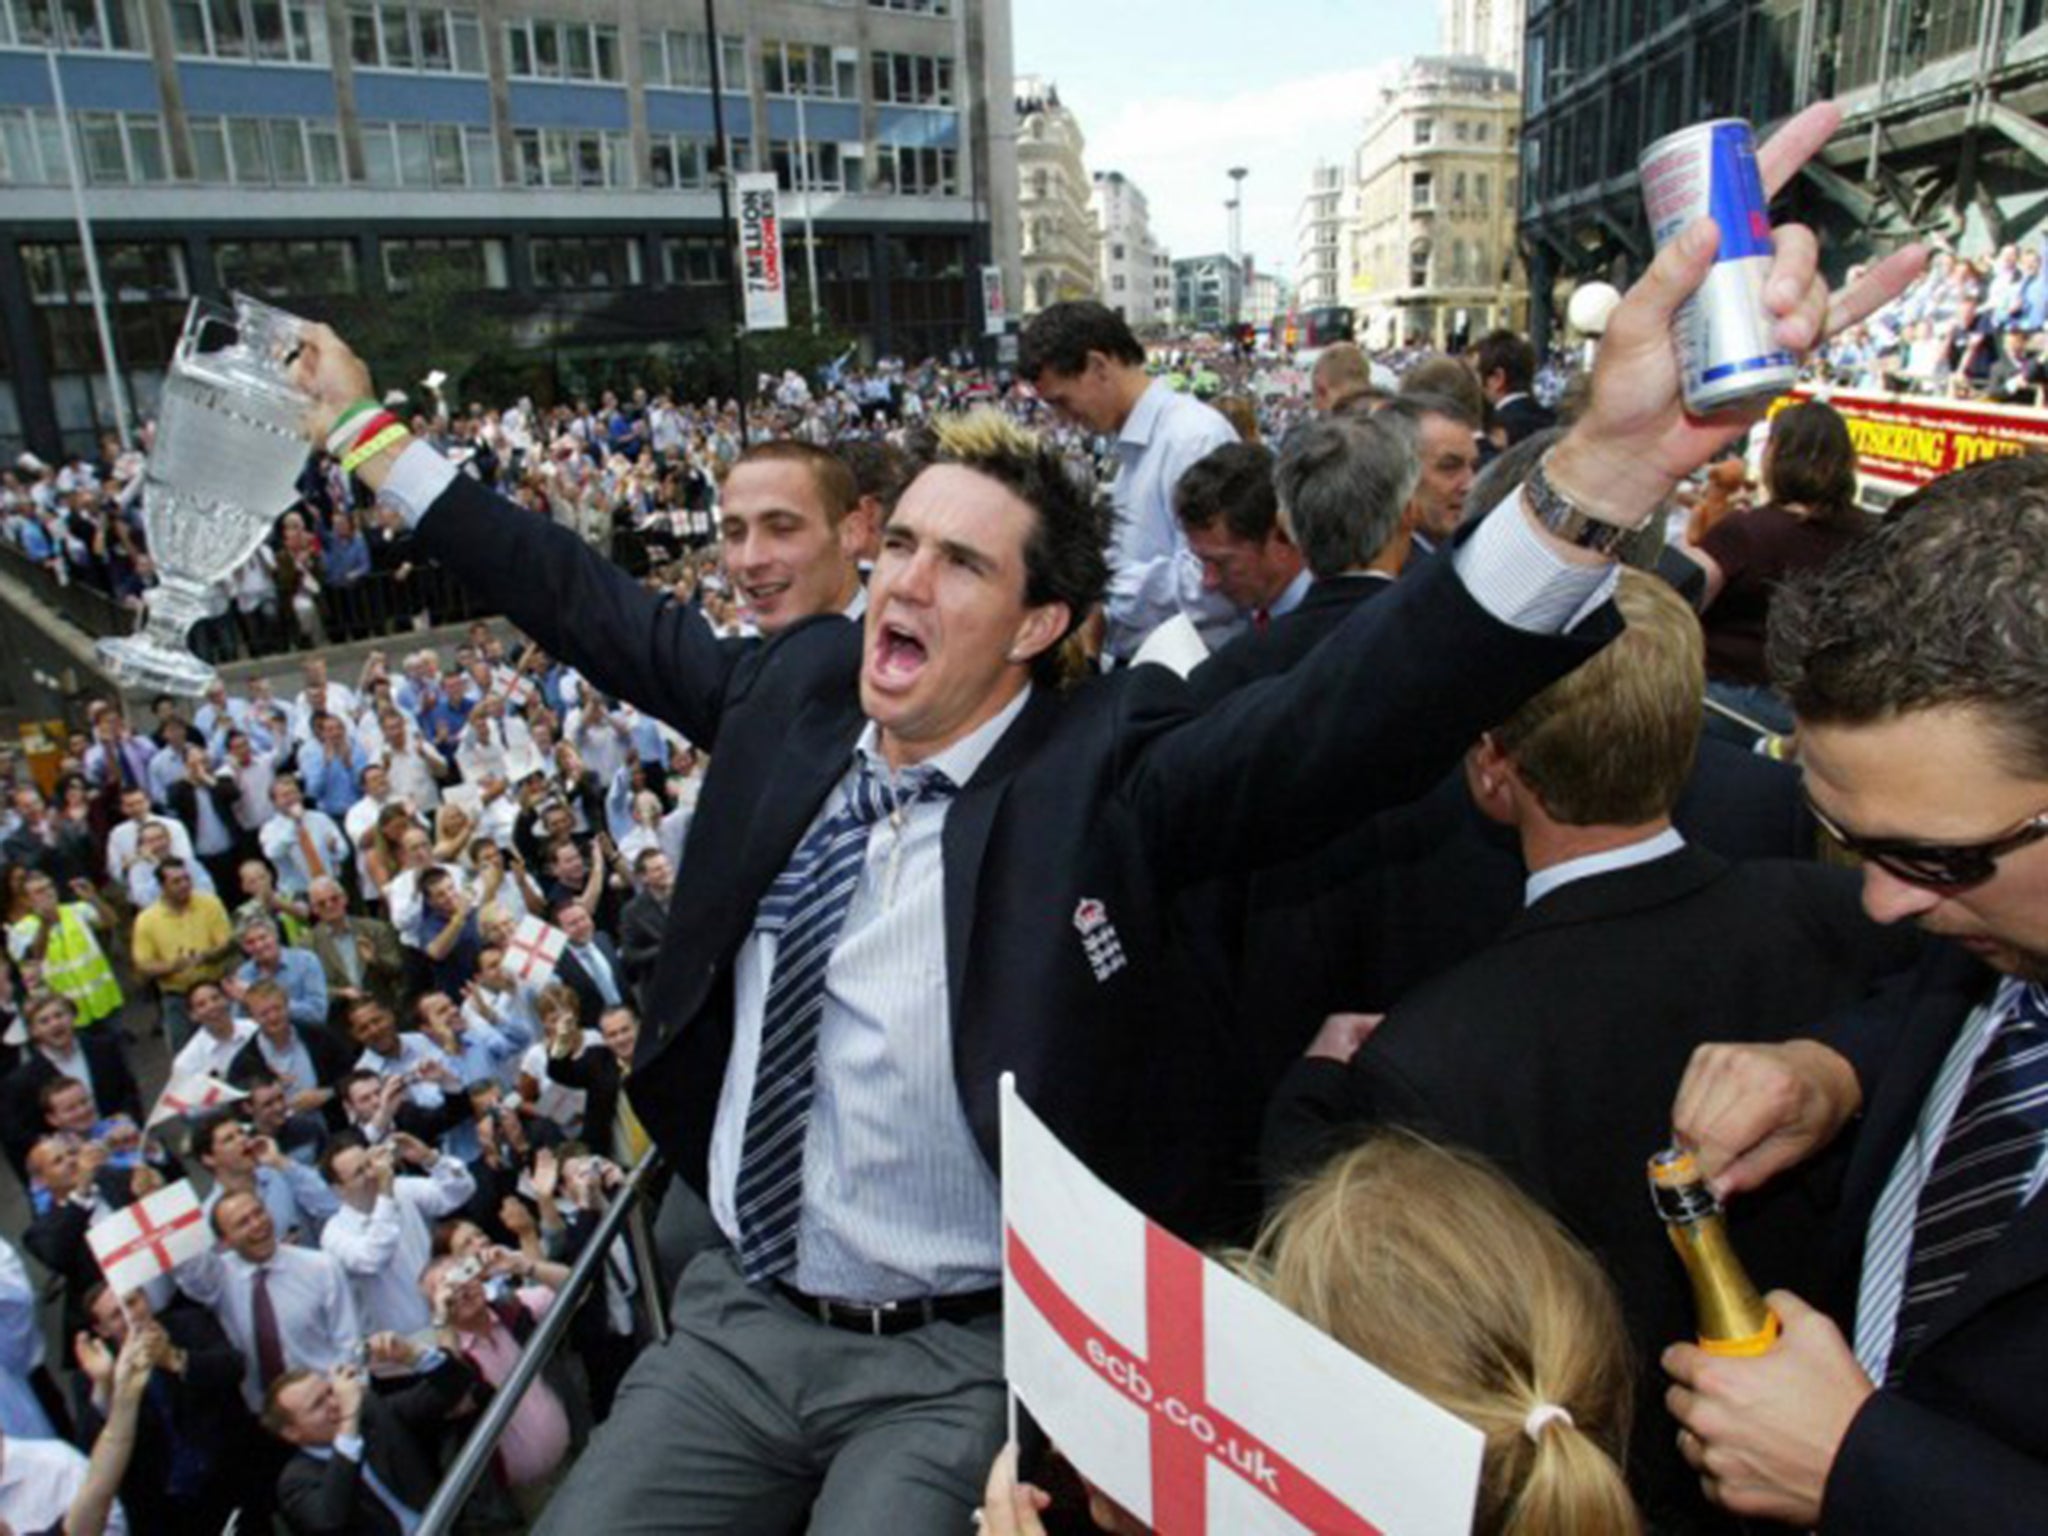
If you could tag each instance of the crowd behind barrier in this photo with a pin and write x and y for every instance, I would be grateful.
(404, 926)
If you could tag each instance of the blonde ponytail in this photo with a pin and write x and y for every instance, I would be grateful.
(1434, 1267)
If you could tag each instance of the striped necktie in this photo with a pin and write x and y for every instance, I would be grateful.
(1986, 1164)
(806, 906)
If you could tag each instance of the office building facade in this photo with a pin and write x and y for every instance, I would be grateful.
(548, 163)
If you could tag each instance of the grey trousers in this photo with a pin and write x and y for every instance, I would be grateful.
(755, 1418)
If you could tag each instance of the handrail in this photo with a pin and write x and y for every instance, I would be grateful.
(461, 1478)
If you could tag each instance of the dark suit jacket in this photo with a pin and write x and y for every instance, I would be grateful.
(1523, 416)
(383, 973)
(1113, 795)
(570, 973)
(114, 1092)
(183, 798)
(641, 926)
(1286, 640)
(57, 1238)
(401, 1433)
(596, 1071)
(1557, 1052)
(191, 1424)
(1961, 1443)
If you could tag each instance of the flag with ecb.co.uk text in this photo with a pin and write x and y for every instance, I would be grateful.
(190, 1094)
(149, 1238)
(535, 950)
(1189, 1396)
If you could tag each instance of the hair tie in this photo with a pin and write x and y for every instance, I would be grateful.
(1542, 1416)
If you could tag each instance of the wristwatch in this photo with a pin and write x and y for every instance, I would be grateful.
(1564, 520)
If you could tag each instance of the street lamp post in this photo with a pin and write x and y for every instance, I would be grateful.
(1236, 207)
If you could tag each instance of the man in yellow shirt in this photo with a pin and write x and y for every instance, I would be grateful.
(181, 939)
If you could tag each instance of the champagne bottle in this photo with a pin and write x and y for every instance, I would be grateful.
(1733, 1319)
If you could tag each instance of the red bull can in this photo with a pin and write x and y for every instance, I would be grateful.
(1726, 351)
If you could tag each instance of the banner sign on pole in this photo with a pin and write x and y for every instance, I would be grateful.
(1189, 1396)
(994, 316)
(761, 253)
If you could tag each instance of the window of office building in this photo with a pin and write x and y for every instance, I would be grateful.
(121, 148)
(265, 31)
(586, 263)
(31, 147)
(1425, 130)
(562, 50)
(146, 291)
(916, 172)
(695, 261)
(680, 61)
(912, 79)
(74, 25)
(482, 265)
(1422, 190)
(928, 292)
(681, 160)
(282, 268)
(572, 157)
(444, 155)
(266, 151)
(824, 168)
(432, 38)
(809, 69)
(914, 7)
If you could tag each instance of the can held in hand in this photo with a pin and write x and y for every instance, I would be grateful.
(1725, 348)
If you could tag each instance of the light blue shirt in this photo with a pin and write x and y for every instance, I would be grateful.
(298, 1199)
(1153, 573)
(898, 1200)
(1628, 856)
(304, 983)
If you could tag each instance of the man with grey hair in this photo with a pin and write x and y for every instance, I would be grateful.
(1343, 485)
(1442, 434)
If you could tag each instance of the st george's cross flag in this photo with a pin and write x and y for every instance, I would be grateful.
(1190, 1397)
(535, 950)
(190, 1094)
(152, 1237)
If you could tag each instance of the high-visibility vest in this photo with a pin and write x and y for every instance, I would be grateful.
(74, 965)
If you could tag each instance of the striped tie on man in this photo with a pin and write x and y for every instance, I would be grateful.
(807, 907)
(1985, 1167)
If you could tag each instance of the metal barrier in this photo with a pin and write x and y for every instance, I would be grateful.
(462, 1476)
(375, 605)
(92, 610)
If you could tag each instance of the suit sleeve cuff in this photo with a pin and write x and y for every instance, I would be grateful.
(417, 480)
(1520, 580)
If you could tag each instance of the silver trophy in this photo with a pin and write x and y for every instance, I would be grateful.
(230, 446)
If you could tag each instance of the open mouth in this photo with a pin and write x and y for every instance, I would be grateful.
(764, 594)
(899, 655)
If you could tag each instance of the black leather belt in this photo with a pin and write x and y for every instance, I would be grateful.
(894, 1316)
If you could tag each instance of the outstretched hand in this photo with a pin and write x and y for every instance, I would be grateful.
(1636, 440)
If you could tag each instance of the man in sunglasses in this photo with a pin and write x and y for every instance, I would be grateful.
(1917, 665)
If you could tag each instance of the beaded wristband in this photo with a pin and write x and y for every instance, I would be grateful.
(363, 452)
(346, 425)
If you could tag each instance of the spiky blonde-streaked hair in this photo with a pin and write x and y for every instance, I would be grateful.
(1066, 557)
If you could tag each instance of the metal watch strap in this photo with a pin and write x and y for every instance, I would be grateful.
(1565, 521)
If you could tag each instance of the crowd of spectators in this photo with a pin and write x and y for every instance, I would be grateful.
(326, 891)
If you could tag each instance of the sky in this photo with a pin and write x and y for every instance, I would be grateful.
(1174, 94)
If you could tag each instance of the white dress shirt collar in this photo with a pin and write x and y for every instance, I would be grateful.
(1605, 862)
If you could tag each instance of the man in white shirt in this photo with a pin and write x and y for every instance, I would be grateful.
(312, 1319)
(383, 1234)
(1084, 362)
(218, 1037)
(301, 843)
(124, 841)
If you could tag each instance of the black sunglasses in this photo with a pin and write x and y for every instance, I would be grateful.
(1943, 867)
